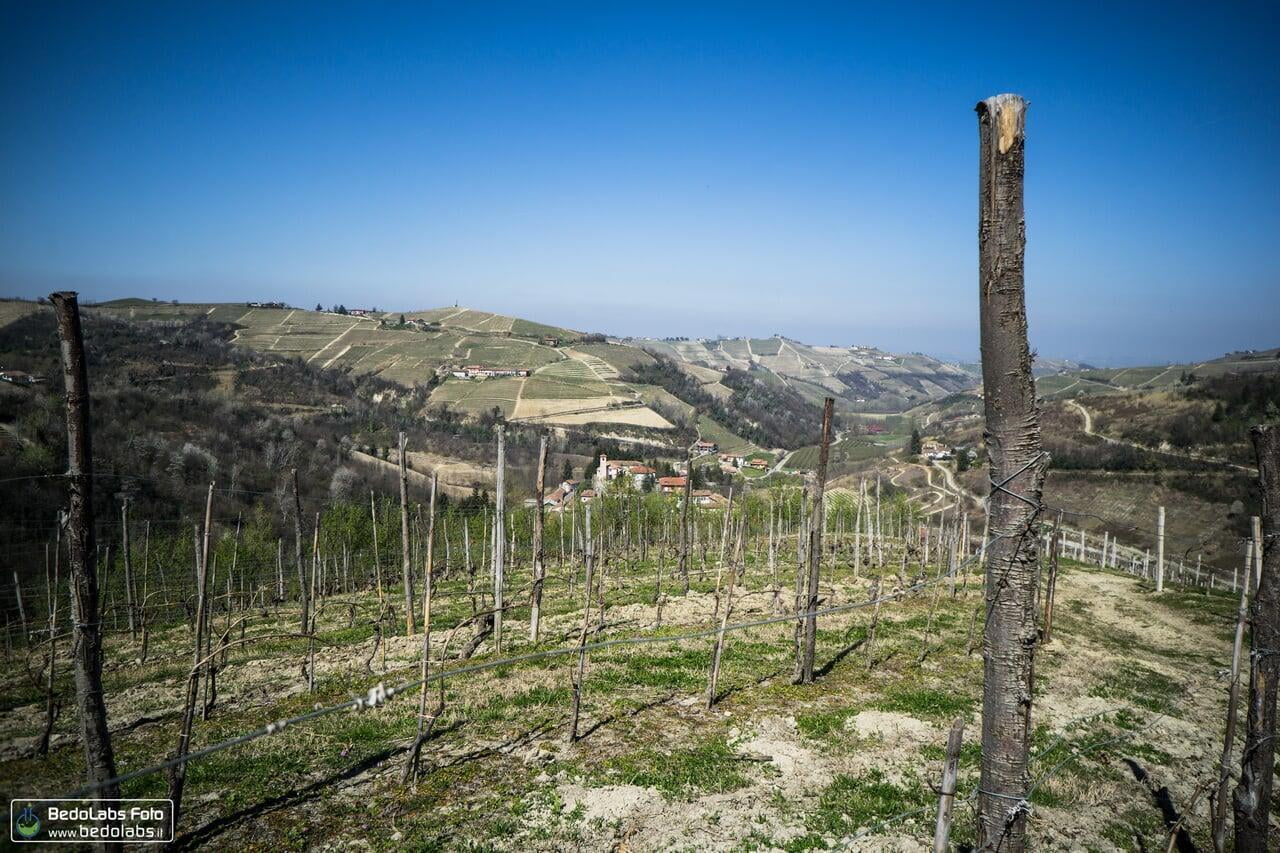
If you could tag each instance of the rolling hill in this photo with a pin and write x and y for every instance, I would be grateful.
(861, 378)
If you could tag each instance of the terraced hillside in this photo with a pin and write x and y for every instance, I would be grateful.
(861, 378)
(1093, 381)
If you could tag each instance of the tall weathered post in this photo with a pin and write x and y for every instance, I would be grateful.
(539, 571)
(406, 565)
(297, 553)
(1160, 550)
(684, 524)
(100, 761)
(807, 629)
(1017, 472)
(499, 538)
(1252, 800)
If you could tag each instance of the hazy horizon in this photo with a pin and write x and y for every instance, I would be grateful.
(657, 171)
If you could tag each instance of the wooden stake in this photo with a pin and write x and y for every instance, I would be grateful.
(539, 571)
(580, 669)
(178, 773)
(405, 566)
(499, 538)
(947, 791)
(807, 630)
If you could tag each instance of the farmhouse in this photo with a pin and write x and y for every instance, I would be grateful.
(758, 464)
(668, 485)
(702, 446)
(732, 460)
(708, 499)
(875, 429)
(557, 499)
(609, 470)
(550, 341)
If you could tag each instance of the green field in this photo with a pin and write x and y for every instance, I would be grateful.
(711, 430)
(565, 379)
(474, 396)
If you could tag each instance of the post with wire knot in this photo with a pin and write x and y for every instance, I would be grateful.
(1017, 472)
(947, 791)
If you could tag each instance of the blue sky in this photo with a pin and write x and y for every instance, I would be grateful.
(682, 169)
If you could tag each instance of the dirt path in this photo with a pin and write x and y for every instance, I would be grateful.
(1088, 430)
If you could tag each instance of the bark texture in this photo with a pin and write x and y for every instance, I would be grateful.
(1017, 473)
(100, 764)
(1252, 800)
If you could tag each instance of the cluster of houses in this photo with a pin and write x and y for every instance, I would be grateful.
(479, 371)
(934, 449)
(733, 463)
(563, 496)
(20, 377)
(267, 304)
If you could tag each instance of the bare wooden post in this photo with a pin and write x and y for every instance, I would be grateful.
(128, 566)
(178, 773)
(947, 791)
(499, 538)
(1160, 550)
(425, 724)
(85, 616)
(580, 670)
(405, 565)
(807, 630)
(1253, 798)
(1219, 818)
(297, 553)
(1052, 587)
(1017, 470)
(377, 561)
(718, 651)
(684, 524)
(539, 571)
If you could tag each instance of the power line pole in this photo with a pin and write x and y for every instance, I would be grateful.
(100, 761)
(1017, 473)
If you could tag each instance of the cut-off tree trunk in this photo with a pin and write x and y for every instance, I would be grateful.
(1017, 470)
(100, 762)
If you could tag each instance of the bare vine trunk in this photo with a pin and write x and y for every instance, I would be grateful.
(1017, 475)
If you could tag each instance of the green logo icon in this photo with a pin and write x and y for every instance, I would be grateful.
(28, 825)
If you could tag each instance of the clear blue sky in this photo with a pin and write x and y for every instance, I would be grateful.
(657, 170)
